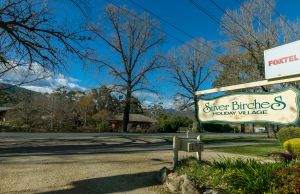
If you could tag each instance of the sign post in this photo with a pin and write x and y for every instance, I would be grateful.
(188, 145)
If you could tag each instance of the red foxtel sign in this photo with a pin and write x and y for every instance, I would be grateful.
(282, 61)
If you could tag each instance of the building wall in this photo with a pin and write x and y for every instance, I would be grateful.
(117, 125)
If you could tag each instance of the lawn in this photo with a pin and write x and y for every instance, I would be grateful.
(262, 150)
(221, 139)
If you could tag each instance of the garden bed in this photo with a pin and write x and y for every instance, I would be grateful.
(242, 176)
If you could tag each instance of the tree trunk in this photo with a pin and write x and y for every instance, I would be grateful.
(242, 128)
(269, 129)
(275, 130)
(51, 122)
(52, 112)
(85, 115)
(253, 128)
(196, 115)
(126, 111)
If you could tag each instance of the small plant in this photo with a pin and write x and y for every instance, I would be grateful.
(251, 176)
(287, 180)
(103, 127)
(293, 147)
(285, 134)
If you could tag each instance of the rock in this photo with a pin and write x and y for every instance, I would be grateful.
(174, 182)
(180, 184)
(163, 174)
(188, 187)
(280, 156)
(184, 177)
(212, 191)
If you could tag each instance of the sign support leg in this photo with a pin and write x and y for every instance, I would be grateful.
(175, 150)
(199, 153)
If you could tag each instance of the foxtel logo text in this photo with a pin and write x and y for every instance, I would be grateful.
(283, 60)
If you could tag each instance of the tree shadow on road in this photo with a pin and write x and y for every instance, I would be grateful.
(112, 184)
(74, 149)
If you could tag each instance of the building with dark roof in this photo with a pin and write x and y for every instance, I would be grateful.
(136, 121)
(3, 111)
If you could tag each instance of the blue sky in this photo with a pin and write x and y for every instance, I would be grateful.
(180, 13)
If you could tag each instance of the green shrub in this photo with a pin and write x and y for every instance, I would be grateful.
(183, 128)
(5, 127)
(14, 127)
(293, 147)
(217, 128)
(103, 127)
(169, 123)
(285, 134)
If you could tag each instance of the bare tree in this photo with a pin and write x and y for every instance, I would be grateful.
(190, 66)
(30, 34)
(86, 107)
(236, 68)
(251, 29)
(131, 38)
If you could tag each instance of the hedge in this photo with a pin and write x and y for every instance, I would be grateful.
(285, 134)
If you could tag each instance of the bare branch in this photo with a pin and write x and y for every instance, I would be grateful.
(30, 34)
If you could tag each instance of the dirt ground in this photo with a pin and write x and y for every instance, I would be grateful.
(97, 173)
(88, 165)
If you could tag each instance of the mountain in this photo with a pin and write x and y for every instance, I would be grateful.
(11, 89)
(11, 95)
(188, 113)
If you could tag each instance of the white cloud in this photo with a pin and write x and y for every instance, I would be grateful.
(142, 94)
(45, 81)
(148, 98)
(39, 89)
(167, 103)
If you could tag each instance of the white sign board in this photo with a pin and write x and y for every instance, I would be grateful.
(282, 61)
(274, 108)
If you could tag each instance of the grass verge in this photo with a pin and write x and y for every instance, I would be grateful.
(261, 150)
(221, 139)
(212, 139)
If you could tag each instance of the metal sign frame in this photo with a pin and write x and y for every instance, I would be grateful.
(248, 85)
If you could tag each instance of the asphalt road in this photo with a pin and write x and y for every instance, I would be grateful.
(30, 144)
(17, 135)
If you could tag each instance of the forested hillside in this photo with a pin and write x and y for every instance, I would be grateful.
(12, 95)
